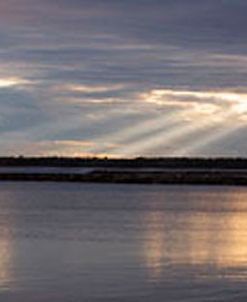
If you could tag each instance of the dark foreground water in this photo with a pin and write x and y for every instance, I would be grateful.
(79, 242)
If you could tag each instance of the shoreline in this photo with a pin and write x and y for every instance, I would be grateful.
(183, 177)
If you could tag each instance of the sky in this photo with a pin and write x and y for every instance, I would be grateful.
(123, 78)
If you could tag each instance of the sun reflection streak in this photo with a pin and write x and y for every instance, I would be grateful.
(6, 244)
(5, 257)
(233, 248)
(214, 234)
(154, 244)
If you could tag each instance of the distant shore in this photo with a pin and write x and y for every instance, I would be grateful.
(206, 177)
(135, 163)
(196, 171)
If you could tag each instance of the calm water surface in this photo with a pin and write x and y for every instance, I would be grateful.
(87, 242)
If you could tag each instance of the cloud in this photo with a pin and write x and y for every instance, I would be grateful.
(12, 82)
(93, 70)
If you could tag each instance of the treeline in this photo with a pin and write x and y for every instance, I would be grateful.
(140, 162)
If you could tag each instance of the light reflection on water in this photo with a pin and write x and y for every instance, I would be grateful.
(207, 233)
(80, 242)
(154, 248)
(5, 260)
(6, 244)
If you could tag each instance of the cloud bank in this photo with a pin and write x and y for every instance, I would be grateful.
(130, 77)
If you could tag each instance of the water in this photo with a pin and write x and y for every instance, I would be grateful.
(87, 242)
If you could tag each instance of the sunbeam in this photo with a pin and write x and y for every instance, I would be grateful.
(217, 134)
(144, 128)
(166, 138)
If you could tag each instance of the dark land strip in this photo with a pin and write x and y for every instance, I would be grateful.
(138, 177)
(201, 171)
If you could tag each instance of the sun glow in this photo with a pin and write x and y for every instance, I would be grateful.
(79, 88)
(11, 82)
(238, 101)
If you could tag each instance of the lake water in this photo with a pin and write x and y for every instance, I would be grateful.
(93, 243)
